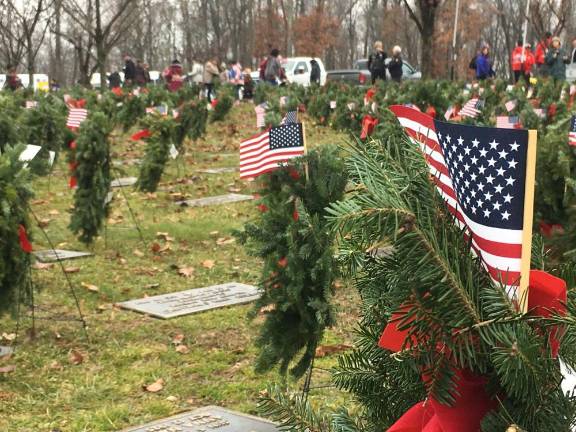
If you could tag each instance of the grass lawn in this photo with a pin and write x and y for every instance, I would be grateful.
(67, 382)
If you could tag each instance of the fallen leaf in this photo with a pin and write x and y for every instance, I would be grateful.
(186, 272)
(53, 212)
(155, 247)
(9, 336)
(225, 241)
(326, 350)
(76, 357)
(42, 266)
(55, 366)
(208, 264)
(71, 269)
(43, 223)
(156, 386)
(138, 253)
(234, 190)
(267, 308)
(39, 202)
(214, 233)
(178, 339)
(7, 369)
(90, 287)
(172, 399)
(164, 236)
(182, 349)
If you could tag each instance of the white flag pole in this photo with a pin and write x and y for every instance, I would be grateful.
(454, 55)
(525, 35)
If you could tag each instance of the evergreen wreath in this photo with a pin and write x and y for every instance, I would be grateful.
(192, 119)
(93, 177)
(223, 105)
(162, 129)
(292, 238)
(15, 193)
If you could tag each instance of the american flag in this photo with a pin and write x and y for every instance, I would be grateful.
(31, 104)
(572, 134)
(260, 115)
(283, 100)
(75, 117)
(480, 173)
(507, 122)
(510, 105)
(266, 151)
(290, 117)
(472, 108)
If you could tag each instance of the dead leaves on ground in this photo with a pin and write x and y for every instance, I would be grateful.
(209, 264)
(156, 386)
(90, 287)
(326, 350)
(76, 357)
(187, 272)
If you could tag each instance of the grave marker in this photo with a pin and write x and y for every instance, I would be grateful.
(5, 351)
(206, 419)
(53, 255)
(191, 301)
(218, 170)
(215, 200)
(124, 182)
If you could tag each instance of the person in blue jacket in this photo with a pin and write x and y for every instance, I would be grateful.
(484, 64)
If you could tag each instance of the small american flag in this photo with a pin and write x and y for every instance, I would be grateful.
(510, 105)
(283, 101)
(267, 151)
(572, 134)
(507, 122)
(540, 112)
(411, 105)
(481, 173)
(75, 117)
(150, 110)
(31, 104)
(260, 115)
(449, 112)
(472, 108)
(290, 117)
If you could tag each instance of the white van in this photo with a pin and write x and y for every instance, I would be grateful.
(41, 81)
(298, 70)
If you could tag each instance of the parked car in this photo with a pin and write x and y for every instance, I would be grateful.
(360, 75)
(298, 70)
(41, 81)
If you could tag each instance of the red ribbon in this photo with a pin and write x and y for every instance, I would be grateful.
(547, 294)
(73, 180)
(144, 133)
(214, 103)
(117, 91)
(548, 230)
(369, 95)
(24, 241)
(368, 125)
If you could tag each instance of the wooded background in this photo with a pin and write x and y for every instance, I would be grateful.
(71, 39)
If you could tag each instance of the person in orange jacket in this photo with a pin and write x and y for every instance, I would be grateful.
(517, 60)
(540, 54)
(529, 61)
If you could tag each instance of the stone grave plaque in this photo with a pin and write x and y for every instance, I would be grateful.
(124, 182)
(50, 255)
(208, 419)
(218, 170)
(215, 200)
(5, 350)
(191, 301)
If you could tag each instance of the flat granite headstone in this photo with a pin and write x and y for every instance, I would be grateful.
(218, 170)
(50, 255)
(191, 301)
(215, 200)
(207, 419)
(4, 351)
(124, 182)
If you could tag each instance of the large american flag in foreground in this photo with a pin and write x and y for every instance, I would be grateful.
(75, 117)
(572, 133)
(267, 151)
(481, 174)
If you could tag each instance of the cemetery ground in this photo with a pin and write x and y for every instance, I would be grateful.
(134, 368)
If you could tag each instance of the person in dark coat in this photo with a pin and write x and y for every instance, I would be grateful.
(114, 80)
(129, 71)
(12, 81)
(140, 76)
(484, 64)
(556, 60)
(315, 72)
(377, 62)
(395, 64)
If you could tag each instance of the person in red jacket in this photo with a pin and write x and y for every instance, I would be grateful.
(173, 75)
(529, 61)
(540, 54)
(517, 59)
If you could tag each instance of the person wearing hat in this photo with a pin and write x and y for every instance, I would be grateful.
(484, 64)
(129, 71)
(556, 60)
(395, 64)
(377, 62)
(173, 76)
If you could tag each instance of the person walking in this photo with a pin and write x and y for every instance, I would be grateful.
(484, 64)
(395, 64)
(248, 93)
(314, 72)
(140, 78)
(210, 73)
(12, 83)
(556, 60)
(517, 60)
(129, 71)
(529, 61)
(273, 72)
(377, 62)
(540, 54)
(173, 75)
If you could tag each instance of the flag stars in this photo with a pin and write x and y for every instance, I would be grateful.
(510, 181)
(460, 140)
(482, 169)
(475, 142)
(501, 171)
(490, 179)
(503, 154)
(466, 167)
(486, 213)
(512, 164)
(506, 215)
(514, 146)
(491, 162)
(488, 196)
(483, 152)
(467, 150)
(497, 205)
(448, 138)
(494, 145)
(474, 160)
(499, 188)
(508, 198)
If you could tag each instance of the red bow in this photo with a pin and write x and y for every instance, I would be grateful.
(546, 294)
(24, 242)
(117, 91)
(73, 180)
(369, 95)
(368, 125)
(144, 133)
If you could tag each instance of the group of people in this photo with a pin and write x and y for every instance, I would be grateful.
(548, 60)
(233, 73)
(380, 65)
